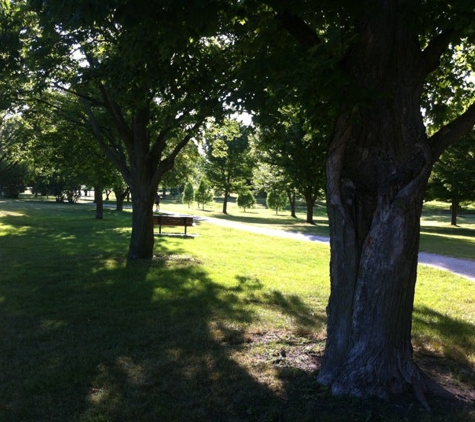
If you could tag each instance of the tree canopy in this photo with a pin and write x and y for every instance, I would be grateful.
(453, 177)
(154, 68)
(288, 141)
(229, 159)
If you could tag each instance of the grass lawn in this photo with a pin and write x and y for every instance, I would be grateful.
(223, 326)
(437, 235)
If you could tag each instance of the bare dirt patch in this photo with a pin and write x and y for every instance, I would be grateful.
(288, 364)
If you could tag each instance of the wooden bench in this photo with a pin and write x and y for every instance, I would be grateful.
(172, 220)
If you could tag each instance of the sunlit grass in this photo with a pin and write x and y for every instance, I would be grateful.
(260, 215)
(437, 235)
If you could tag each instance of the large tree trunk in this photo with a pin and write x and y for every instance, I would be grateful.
(373, 276)
(377, 169)
(378, 164)
(374, 234)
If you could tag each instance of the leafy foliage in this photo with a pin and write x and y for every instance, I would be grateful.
(63, 148)
(229, 159)
(188, 194)
(12, 21)
(204, 193)
(13, 179)
(287, 141)
(453, 177)
(276, 200)
(187, 167)
(246, 199)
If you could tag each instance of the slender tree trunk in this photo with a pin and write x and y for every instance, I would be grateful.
(120, 198)
(119, 203)
(143, 185)
(310, 213)
(99, 201)
(310, 202)
(454, 211)
(225, 201)
(291, 196)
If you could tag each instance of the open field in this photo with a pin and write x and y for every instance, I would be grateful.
(223, 326)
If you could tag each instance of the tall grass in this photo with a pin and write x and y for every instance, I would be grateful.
(222, 326)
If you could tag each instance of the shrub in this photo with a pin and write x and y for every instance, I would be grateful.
(188, 194)
(204, 193)
(276, 200)
(246, 199)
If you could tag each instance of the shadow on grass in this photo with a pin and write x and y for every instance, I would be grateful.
(294, 308)
(254, 218)
(92, 337)
(450, 240)
(455, 337)
(449, 231)
(437, 214)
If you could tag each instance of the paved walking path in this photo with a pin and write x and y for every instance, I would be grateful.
(462, 267)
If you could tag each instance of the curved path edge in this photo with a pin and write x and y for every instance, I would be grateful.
(462, 267)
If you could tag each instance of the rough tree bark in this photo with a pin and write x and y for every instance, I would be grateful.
(374, 248)
(378, 165)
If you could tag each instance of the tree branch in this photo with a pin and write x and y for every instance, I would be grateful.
(297, 27)
(452, 132)
(159, 144)
(435, 49)
(113, 109)
(118, 118)
(168, 162)
(79, 94)
(66, 115)
(119, 158)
